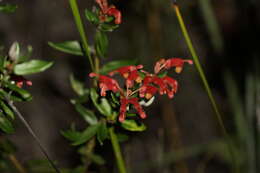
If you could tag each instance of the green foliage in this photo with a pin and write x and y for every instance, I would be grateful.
(86, 114)
(77, 86)
(91, 16)
(5, 124)
(8, 8)
(132, 125)
(31, 67)
(102, 132)
(101, 43)
(70, 47)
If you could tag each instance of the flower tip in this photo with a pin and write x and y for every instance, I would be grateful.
(121, 118)
(189, 62)
(139, 66)
(92, 74)
(143, 115)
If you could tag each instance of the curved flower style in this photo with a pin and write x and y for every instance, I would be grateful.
(139, 88)
(109, 11)
(173, 62)
(123, 108)
(130, 73)
(106, 83)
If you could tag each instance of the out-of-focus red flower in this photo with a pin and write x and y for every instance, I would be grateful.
(172, 86)
(106, 83)
(20, 80)
(123, 108)
(147, 91)
(169, 63)
(130, 73)
(109, 11)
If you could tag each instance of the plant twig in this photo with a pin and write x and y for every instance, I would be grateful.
(20, 116)
(205, 82)
(117, 151)
(16, 163)
(79, 24)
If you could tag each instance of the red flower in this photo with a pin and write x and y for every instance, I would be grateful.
(20, 80)
(157, 81)
(106, 83)
(172, 84)
(130, 73)
(123, 108)
(147, 91)
(173, 62)
(109, 10)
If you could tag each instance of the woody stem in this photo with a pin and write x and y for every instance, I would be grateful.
(117, 151)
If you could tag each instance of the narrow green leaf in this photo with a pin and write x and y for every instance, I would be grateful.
(97, 159)
(122, 137)
(104, 107)
(31, 67)
(91, 16)
(86, 114)
(108, 27)
(5, 124)
(6, 110)
(23, 93)
(8, 8)
(102, 133)
(71, 134)
(77, 86)
(101, 43)
(71, 47)
(113, 65)
(132, 125)
(87, 135)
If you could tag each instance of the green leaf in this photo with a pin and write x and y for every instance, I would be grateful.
(101, 43)
(5, 124)
(77, 86)
(102, 133)
(104, 107)
(97, 159)
(87, 114)
(107, 27)
(71, 47)
(8, 8)
(6, 109)
(31, 67)
(7, 147)
(21, 92)
(2, 62)
(113, 65)
(132, 125)
(87, 135)
(91, 16)
(14, 51)
(71, 134)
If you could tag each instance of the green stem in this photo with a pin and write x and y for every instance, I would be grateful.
(205, 83)
(78, 21)
(117, 151)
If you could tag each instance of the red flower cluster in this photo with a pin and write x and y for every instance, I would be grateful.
(20, 80)
(146, 86)
(108, 11)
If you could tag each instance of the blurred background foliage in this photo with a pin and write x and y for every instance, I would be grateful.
(182, 134)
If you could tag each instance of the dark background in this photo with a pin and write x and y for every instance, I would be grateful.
(225, 34)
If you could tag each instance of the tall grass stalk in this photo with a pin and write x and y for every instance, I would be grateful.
(205, 83)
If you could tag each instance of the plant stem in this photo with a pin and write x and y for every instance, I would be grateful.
(79, 24)
(16, 163)
(205, 83)
(35, 137)
(117, 151)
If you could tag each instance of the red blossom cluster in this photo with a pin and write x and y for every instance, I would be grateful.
(108, 10)
(146, 86)
(20, 80)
